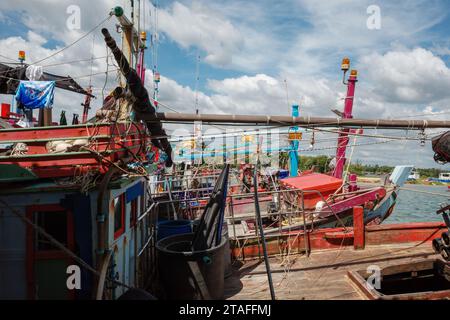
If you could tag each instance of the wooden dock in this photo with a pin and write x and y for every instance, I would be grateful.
(322, 275)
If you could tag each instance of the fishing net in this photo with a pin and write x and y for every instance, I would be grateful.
(441, 147)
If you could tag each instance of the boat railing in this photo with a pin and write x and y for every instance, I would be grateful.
(146, 254)
(300, 193)
(297, 209)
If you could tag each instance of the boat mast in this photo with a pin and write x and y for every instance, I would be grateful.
(348, 108)
(131, 41)
(154, 43)
(140, 68)
(293, 153)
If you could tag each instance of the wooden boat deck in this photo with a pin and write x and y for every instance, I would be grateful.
(322, 275)
(101, 145)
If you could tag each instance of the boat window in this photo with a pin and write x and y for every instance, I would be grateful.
(55, 224)
(119, 216)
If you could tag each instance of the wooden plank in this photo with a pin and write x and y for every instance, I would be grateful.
(324, 275)
(358, 228)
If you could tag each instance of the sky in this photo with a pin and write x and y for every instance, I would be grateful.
(258, 57)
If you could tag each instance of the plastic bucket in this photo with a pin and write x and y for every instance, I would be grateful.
(283, 174)
(228, 271)
(167, 228)
(182, 271)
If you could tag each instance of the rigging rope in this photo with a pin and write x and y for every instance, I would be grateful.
(64, 79)
(75, 42)
(8, 58)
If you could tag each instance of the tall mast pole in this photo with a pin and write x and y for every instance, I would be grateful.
(154, 45)
(138, 28)
(131, 39)
(293, 153)
(348, 108)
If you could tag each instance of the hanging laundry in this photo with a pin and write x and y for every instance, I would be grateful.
(34, 73)
(35, 94)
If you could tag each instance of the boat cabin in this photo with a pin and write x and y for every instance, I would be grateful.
(34, 268)
(444, 177)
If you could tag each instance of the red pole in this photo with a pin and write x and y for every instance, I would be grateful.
(358, 228)
(141, 67)
(343, 137)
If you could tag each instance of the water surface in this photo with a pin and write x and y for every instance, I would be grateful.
(419, 207)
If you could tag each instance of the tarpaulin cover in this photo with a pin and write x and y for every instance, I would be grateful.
(312, 181)
(36, 94)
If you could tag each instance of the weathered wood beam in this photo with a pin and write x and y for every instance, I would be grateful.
(300, 121)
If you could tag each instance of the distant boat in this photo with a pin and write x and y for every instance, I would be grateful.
(443, 177)
(414, 175)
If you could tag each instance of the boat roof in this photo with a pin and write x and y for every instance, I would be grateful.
(44, 185)
(312, 181)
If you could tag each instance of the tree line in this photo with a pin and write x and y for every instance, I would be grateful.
(321, 164)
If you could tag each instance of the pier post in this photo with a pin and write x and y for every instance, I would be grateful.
(358, 228)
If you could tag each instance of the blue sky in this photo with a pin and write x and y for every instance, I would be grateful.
(252, 51)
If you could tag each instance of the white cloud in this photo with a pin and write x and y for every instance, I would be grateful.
(259, 94)
(338, 28)
(441, 50)
(181, 98)
(301, 42)
(199, 26)
(412, 76)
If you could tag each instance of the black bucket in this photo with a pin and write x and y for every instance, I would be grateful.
(228, 270)
(188, 275)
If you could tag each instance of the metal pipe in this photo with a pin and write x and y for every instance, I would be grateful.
(305, 231)
(301, 121)
(175, 216)
(102, 222)
(261, 232)
(247, 195)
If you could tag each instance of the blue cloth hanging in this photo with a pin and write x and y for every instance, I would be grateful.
(36, 94)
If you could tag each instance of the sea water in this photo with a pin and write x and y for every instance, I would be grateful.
(419, 207)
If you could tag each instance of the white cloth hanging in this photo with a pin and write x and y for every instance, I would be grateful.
(34, 73)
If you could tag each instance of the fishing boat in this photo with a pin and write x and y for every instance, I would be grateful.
(97, 200)
(315, 200)
(444, 177)
(77, 194)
